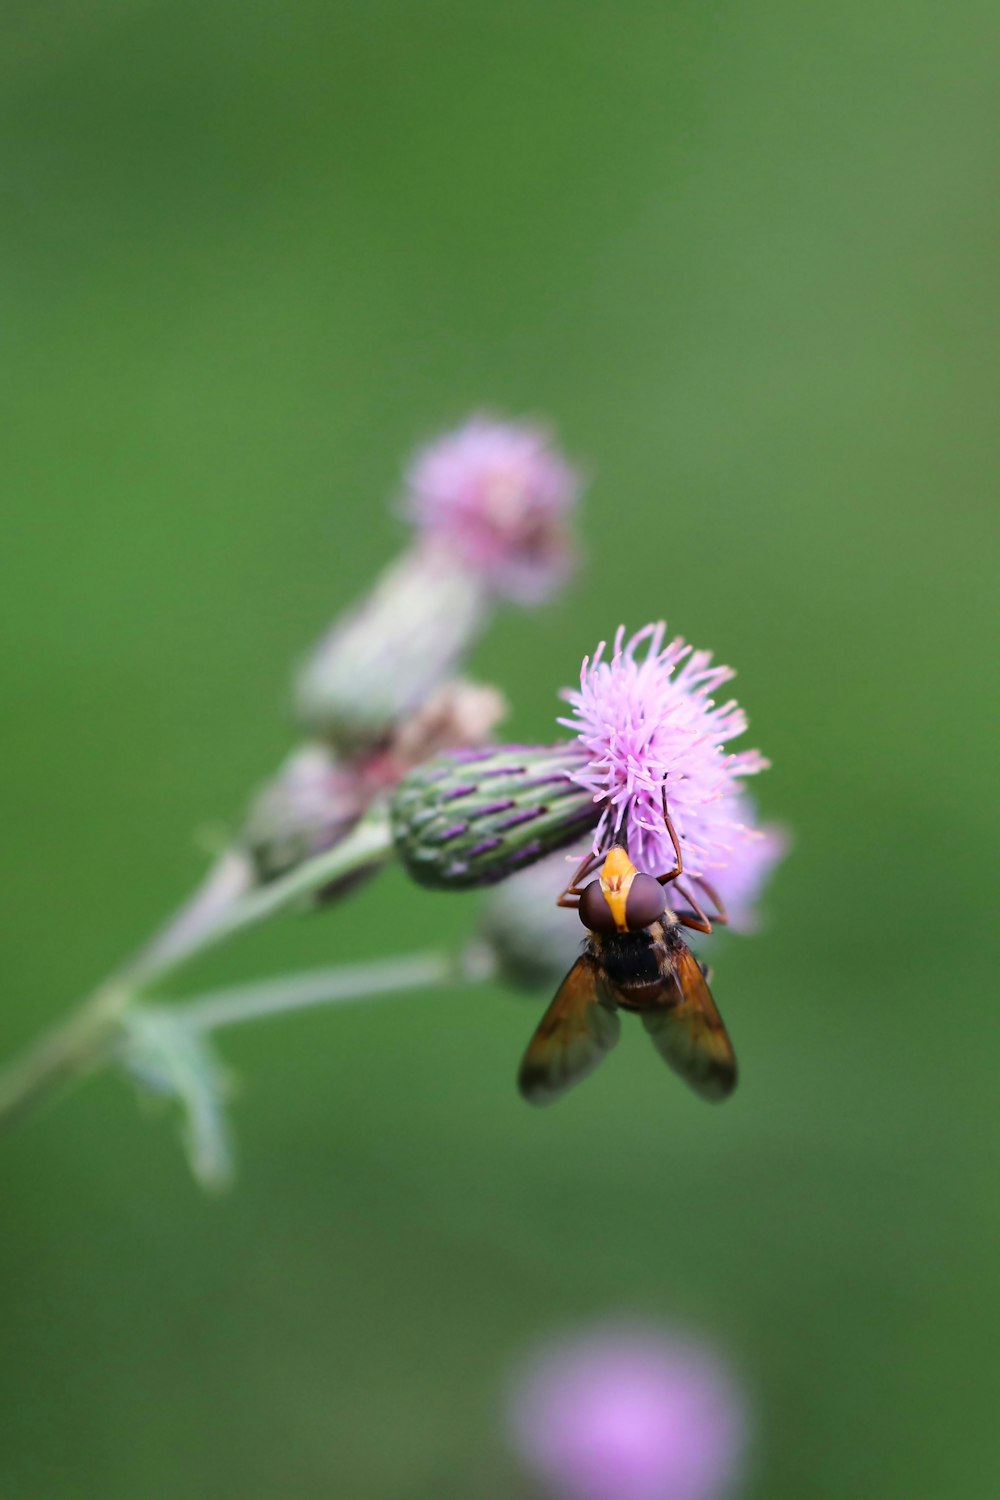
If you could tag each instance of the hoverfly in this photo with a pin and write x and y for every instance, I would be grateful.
(635, 960)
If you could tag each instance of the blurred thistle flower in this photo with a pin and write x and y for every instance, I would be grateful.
(497, 496)
(626, 1413)
(751, 863)
(650, 724)
(490, 504)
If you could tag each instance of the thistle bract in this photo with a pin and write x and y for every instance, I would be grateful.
(471, 818)
(313, 801)
(382, 661)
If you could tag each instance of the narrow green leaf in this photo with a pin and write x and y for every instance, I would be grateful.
(168, 1059)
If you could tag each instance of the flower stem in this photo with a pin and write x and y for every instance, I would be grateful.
(334, 986)
(370, 842)
(64, 1054)
(221, 908)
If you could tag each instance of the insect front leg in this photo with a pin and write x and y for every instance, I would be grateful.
(571, 895)
(668, 821)
(696, 919)
(721, 915)
(704, 922)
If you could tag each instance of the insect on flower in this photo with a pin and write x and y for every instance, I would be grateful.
(635, 960)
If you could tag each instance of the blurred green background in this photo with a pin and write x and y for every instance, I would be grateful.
(746, 258)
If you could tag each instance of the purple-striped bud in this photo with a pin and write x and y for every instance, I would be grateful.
(471, 818)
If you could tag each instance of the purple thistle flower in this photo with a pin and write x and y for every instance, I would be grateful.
(497, 495)
(650, 723)
(751, 862)
(625, 1413)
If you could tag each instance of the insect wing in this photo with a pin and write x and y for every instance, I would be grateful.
(687, 1030)
(578, 1029)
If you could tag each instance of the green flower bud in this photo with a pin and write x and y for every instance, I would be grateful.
(379, 664)
(310, 805)
(471, 818)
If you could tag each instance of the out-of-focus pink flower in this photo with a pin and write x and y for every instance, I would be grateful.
(751, 862)
(497, 495)
(649, 722)
(626, 1413)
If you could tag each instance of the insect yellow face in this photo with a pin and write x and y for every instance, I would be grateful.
(617, 876)
(622, 899)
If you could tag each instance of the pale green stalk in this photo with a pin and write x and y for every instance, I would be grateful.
(87, 1038)
(335, 986)
(167, 1048)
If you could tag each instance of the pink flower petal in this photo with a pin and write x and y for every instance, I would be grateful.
(625, 1413)
(648, 721)
(498, 495)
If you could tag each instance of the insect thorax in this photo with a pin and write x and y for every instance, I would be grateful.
(631, 958)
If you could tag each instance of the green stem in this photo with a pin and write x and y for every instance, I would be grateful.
(334, 986)
(367, 844)
(87, 1037)
(76, 1047)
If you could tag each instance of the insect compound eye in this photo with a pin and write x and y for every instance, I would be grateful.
(595, 913)
(646, 902)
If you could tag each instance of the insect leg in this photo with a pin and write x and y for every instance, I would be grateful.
(721, 915)
(696, 919)
(666, 879)
(571, 895)
(688, 919)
